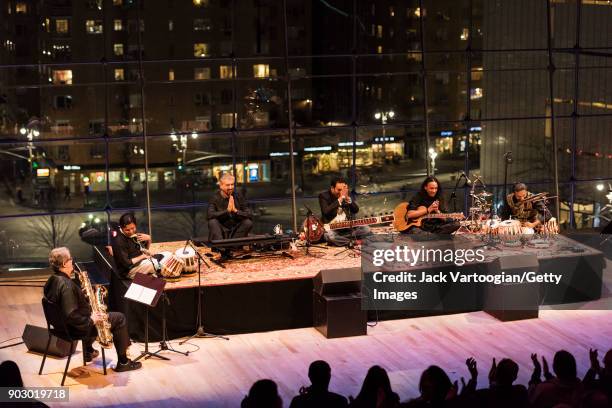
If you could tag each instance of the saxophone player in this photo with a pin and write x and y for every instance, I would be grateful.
(76, 310)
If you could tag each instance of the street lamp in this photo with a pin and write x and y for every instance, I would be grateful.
(30, 133)
(181, 142)
(383, 116)
(432, 156)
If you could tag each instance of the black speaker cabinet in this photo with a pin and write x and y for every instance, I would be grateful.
(339, 316)
(35, 339)
(513, 301)
(338, 281)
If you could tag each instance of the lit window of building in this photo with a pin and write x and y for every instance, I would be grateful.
(170, 25)
(476, 93)
(200, 3)
(226, 120)
(62, 77)
(118, 49)
(465, 33)
(261, 70)
(379, 49)
(21, 8)
(391, 11)
(118, 24)
(200, 50)
(117, 2)
(225, 72)
(379, 31)
(119, 74)
(61, 26)
(170, 75)
(93, 26)
(201, 73)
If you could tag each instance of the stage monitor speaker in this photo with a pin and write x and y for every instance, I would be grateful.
(35, 339)
(513, 301)
(339, 316)
(343, 281)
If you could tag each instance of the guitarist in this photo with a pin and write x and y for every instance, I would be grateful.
(337, 204)
(429, 200)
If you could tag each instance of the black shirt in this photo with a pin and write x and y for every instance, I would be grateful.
(329, 206)
(325, 399)
(124, 249)
(530, 211)
(217, 209)
(422, 199)
(63, 291)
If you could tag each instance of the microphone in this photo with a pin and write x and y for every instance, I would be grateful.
(508, 157)
(185, 247)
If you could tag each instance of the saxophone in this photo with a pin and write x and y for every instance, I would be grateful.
(96, 296)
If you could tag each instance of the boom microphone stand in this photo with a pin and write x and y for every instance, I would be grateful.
(200, 333)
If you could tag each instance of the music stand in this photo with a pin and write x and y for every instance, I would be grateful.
(200, 333)
(148, 289)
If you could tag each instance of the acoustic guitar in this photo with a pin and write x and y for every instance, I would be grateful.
(401, 223)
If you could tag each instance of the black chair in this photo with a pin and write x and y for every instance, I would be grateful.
(56, 326)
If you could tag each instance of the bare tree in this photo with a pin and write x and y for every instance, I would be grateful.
(50, 231)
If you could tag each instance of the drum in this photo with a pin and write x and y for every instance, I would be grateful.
(171, 267)
(550, 227)
(188, 256)
(490, 227)
(510, 227)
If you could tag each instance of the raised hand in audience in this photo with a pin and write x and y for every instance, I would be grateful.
(537, 371)
(593, 356)
(492, 372)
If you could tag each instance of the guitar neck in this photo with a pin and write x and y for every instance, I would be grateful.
(448, 215)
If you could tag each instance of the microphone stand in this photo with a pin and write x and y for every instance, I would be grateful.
(453, 195)
(200, 333)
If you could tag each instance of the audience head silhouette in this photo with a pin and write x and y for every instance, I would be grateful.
(319, 373)
(434, 384)
(376, 379)
(506, 373)
(10, 376)
(564, 365)
(263, 394)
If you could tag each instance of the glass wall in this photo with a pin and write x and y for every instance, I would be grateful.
(110, 102)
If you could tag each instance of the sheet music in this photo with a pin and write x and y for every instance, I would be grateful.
(140, 294)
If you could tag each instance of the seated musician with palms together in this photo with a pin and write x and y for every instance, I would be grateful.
(228, 213)
(427, 203)
(337, 205)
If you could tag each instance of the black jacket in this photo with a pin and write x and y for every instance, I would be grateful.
(217, 209)
(75, 308)
(329, 206)
(124, 249)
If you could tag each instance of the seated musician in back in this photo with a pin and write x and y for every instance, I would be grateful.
(517, 206)
(130, 249)
(337, 205)
(429, 200)
(228, 215)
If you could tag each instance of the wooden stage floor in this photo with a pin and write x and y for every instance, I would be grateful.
(218, 373)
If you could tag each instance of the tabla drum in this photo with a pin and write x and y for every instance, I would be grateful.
(510, 227)
(170, 267)
(490, 227)
(510, 232)
(550, 227)
(188, 256)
